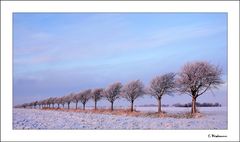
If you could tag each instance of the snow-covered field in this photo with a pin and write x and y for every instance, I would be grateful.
(213, 118)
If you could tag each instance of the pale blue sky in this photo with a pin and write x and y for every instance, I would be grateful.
(59, 53)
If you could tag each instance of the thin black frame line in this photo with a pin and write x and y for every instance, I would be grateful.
(121, 0)
(225, 13)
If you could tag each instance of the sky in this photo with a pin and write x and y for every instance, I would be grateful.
(55, 54)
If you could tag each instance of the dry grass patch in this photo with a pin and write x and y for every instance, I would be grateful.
(128, 112)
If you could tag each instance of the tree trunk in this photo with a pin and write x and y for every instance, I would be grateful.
(58, 106)
(111, 106)
(194, 110)
(159, 105)
(76, 104)
(83, 106)
(132, 105)
(95, 105)
(68, 105)
(53, 105)
(63, 105)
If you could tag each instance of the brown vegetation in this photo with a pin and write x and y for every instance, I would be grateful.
(128, 112)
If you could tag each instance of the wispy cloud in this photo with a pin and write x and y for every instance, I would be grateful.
(83, 50)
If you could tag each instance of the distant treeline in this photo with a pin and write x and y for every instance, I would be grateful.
(153, 105)
(185, 105)
(198, 105)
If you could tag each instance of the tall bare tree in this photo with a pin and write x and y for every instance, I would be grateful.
(198, 77)
(84, 96)
(132, 90)
(160, 86)
(96, 96)
(112, 92)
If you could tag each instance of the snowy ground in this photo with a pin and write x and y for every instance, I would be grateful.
(213, 118)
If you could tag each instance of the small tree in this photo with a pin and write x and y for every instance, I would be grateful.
(162, 85)
(62, 101)
(198, 77)
(96, 96)
(54, 101)
(132, 90)
(84, 96)
(24, 105)
(39, 103)
(112, 92)
(49, 102)
(35, 103)
(31, 104)
(58, 102)
(45, 103)
(27, 105)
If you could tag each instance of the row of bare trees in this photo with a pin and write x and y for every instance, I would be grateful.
(194, 79)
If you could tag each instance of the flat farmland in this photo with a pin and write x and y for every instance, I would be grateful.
(175, 118)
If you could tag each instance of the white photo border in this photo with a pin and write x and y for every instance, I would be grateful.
(9, 7)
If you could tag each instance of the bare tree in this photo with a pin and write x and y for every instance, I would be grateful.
(54, 101)
(162, 85)
(24, 105)
(49, 102)
(132, 90)
(62, 101)
(58, 102)
(39, 103)
(31, 104)
(27, 105)
(42, 102)
(76, 98)
(68, 99)
(198, 77)
(84, 96)
(112, 92)
(35, 103)
(96, 96)
(45, 103)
